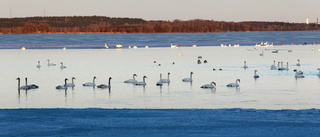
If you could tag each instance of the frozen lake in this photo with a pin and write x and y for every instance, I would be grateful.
(273, 90)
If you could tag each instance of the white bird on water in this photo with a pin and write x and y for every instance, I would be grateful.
(261, 54)
(103, 86)
(132, 80)
(234, 84)
(211, 85)
(298, 64)
(166, 80)
(255, 74)
(91, 84)
(188, 79)
(38, 66)
(299, 74)
(142, 83)
(71, 84)
(63, 86)
(245, 65)
(50, 64)
(274, 67)
(62, 66)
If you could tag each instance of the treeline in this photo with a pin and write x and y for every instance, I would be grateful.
(100, 24)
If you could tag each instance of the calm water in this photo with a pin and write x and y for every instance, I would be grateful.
(94, 41)
(273, 90)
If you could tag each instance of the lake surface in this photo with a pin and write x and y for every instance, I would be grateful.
(273, 90)
(95, 41)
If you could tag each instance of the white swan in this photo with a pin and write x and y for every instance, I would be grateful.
(50, 64)
(22, 87)
(245, 65)
(188, 79)
(62, 66)
(166, 80)
(31, 86)
(142, 83)
(159, 83)
(299, 74)
(103, 86)
(91, 84)
(255, 74)
(261, 54)
(63, 86)
(298, 64)
(319, 72)
(212, 85)
(274, 67)
(71, 84)
(132, 80)
(234, 84)
(38, 66)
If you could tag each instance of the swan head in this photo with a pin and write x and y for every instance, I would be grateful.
(214, 83)
(18, 78)
(295, 70)
(191, 73)
(94, 77)
(245, 61)
(145, 77)
(73, 78)
(298, 60)
(318, 69)
(66, 79)
(38, 61)
(238, 80)
(168, 73)
(61, 63)
(135, 75)
(255, 70)
(110, 78)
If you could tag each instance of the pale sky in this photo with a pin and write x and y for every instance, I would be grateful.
(219, 10)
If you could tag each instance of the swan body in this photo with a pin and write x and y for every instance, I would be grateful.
(38, 66)
(255, 74)
(234, 84)
(89, 83)
(103, 86)
(62, 66)
(245, 65)
(71, 84)
(298, 64)
(142, 83)
(31, 86)
(159, 83)
(188, 79)
(63, 86)
(211, 85)
(274, 67)
(132, 80)
(166, 80)
(51, 64)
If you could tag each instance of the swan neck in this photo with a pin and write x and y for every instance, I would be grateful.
(72, 81)
(109, 82)
(26, 81)
(168, 76)
(93, 80)
(144, 80)
(65, 83)
(191, 76)
(19, 82)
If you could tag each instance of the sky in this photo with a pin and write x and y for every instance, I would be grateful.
(220, 10)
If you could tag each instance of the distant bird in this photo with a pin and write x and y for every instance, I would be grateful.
(299, 74)
(38, 66)
(159, 64)
(142, 83)
(173, 63)
(63, 86)
(62, 66)
(220, 69)
(212, 85)
(188, 79)
(199, 57)
(245, 65)
(154, 61)
(214, 69)
(234, 84)
(274, 67)
(159, 83)
(71, 84)
(91, 84)
(205, 61)
(199, 61)
(50, 64)
(298, 64)
(103, 86)
(261, 54)
(166, 80)
(255, 74)
(132, 80)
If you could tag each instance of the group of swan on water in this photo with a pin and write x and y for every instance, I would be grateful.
(51, 64)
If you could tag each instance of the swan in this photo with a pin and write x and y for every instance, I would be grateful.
(31, 86)
(245, 65)
(319, 72)
(255, 74)
(298, 64)
(38, 66)
(89, 83)
(299, 74)
(22, 87)
(132, 80)
(205, 61)
(220, 69)
(63, 86)
(71, 84)
(261, 54)
(274, 67)
(211, 85)
(166, 80)
(188, 79)
(105, 85)
(62, 66)
(159, 83)
(199, 61)
(234, 84)
(50, 64)
(142, 83)
(280, 68)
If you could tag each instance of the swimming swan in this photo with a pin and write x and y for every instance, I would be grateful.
(132, 80)
(103, 86)
(38, 66)
(91, 84)
(298, 64)
(188, 79)
(62, 66)
(234, 84)
(212, 85)
(50, 64)
(71, 84)
(299, 74)
(166, 80)
(274, 67)
(245, 65)
(142, 83)
(63, 86)
(255, 74)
